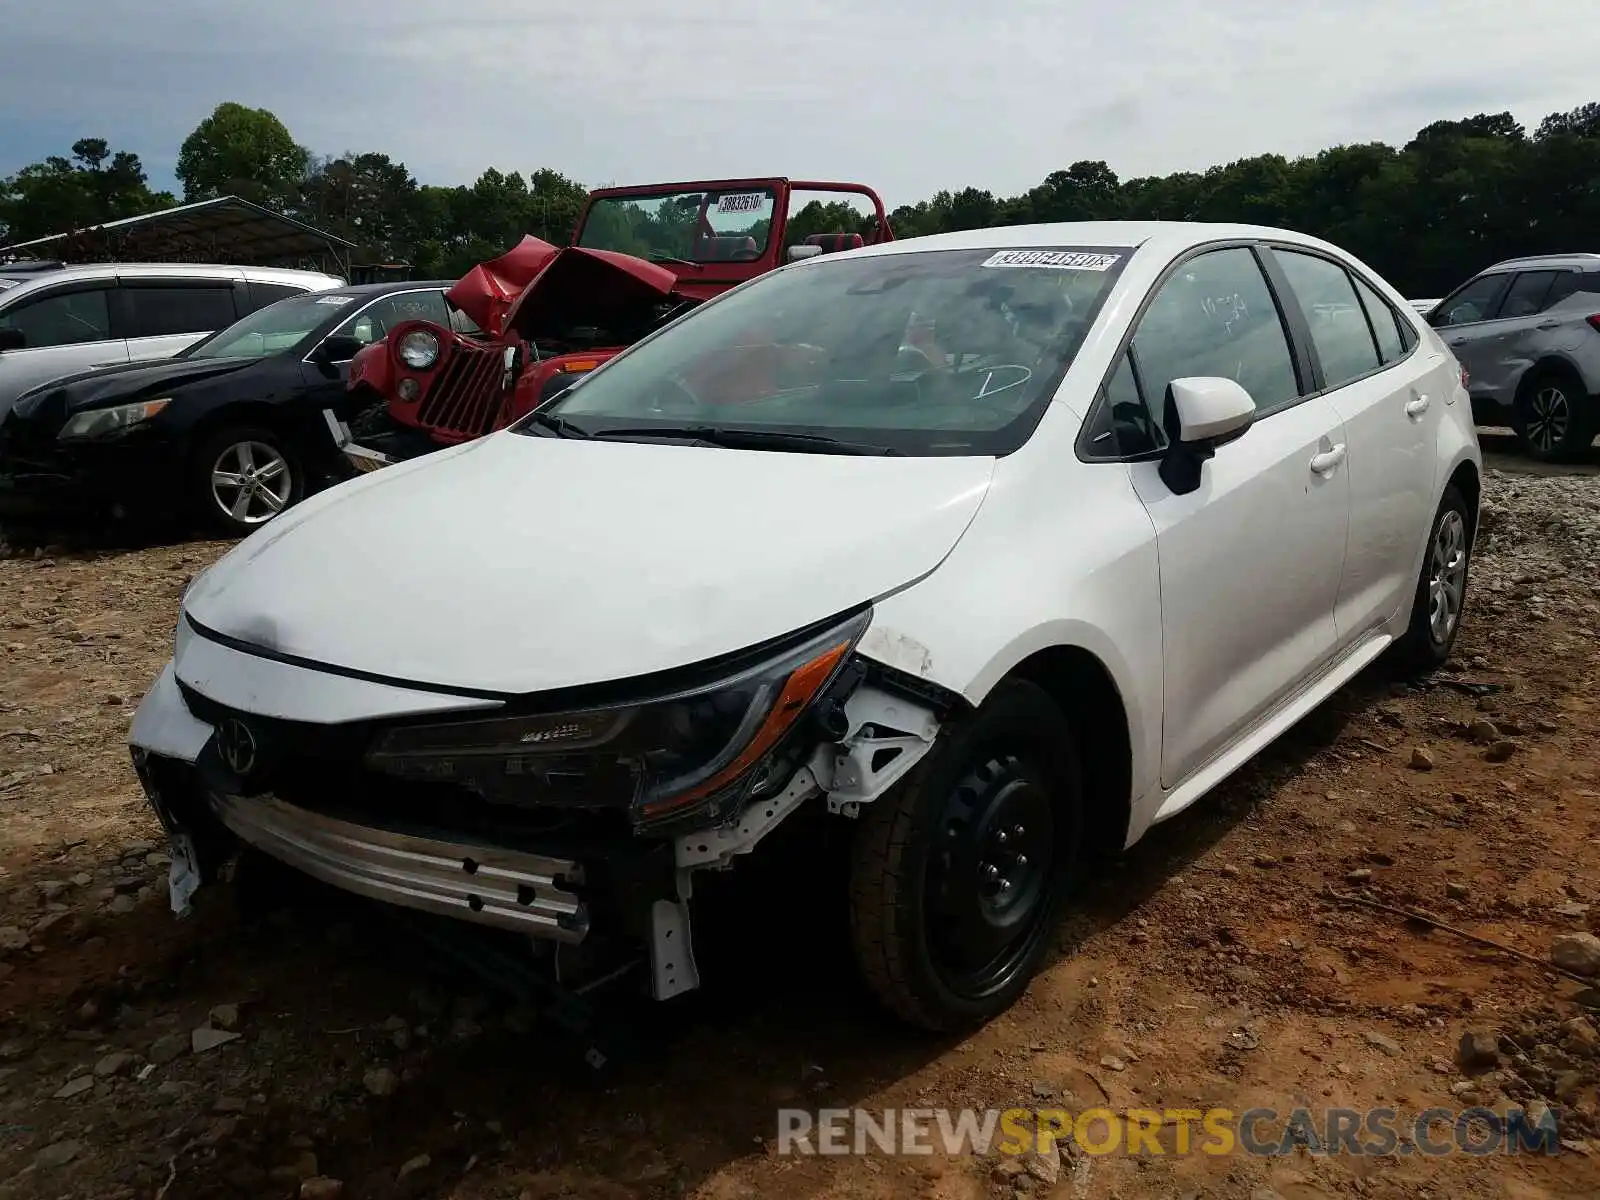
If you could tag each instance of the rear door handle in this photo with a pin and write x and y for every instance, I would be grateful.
(1547, 325)
(1458, 341)
(1328, 459)
(1416, 406)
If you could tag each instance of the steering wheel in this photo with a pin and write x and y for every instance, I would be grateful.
(927, 358)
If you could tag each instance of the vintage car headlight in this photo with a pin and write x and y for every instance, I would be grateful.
(101, 421)
(660, 758)
(419, 349)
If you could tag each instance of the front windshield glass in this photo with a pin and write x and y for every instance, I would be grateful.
(939, 352)
(272, 330)
(694, 226)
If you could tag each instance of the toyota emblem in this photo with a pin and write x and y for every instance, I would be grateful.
(237, 745)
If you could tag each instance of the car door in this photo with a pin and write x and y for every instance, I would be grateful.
(65, 329)
(1251, 560)
(1391, 402)
(163, 316)
(1464, 319)
(1498, 344)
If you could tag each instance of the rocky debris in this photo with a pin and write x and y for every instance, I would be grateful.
(116, 1063)
(1477, 1050)
(225, 1016)
(1457, 891)
(1578, 953)
(15, 1049)
(74, 1087)
(205, 1038)
(1500, 751)
(380, 1081)
(1421, 760)
(1383, 1042)
(1044, 1165)
(1359, 875)
(412, 1165)
(321, 1187)
(58, 1154)
(168, 1048)
(12, 939)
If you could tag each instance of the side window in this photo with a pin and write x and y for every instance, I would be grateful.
(61, 319)
(1476, 301)
(373, 323)
(163, 311)
(1385, 322)
(1215, 316)
(1136, 428)
(263, 294)
(1570, 283)
(1526, 295)
(1338, 323)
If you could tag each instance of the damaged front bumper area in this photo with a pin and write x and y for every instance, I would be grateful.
(350, 796)
(383, 442)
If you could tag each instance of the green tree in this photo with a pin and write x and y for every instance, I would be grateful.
(61, 194)
(244, 152)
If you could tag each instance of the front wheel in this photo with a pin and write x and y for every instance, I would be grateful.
(959, 872)
(243, 476)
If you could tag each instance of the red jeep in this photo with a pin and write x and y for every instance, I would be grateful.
(639, 258)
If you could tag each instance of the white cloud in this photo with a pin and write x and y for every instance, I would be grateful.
(908, 95)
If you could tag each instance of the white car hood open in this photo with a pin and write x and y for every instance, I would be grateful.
(520, 564)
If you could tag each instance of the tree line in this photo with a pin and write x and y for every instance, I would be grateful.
(1456, 197)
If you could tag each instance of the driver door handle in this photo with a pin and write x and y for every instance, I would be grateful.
(1461, 341)
(1328, 459)
(1547, 324)
(1416, 406)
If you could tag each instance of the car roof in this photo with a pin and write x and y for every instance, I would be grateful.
(1172, 236)
(32, 277)
(391, 285)
(1578, 258)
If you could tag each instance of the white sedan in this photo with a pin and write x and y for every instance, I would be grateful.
(1001, 546)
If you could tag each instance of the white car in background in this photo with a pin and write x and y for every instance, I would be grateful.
(1003, 545)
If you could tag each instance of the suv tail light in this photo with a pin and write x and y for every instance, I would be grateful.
(1465, 378)
(1595, 321)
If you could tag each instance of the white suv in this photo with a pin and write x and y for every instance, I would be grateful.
(1001, 545)
(59, 320)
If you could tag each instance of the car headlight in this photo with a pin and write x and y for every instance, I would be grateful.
(102, 421)
(419, 349)
(663, 760)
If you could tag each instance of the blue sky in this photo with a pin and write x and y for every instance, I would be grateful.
(908, 95)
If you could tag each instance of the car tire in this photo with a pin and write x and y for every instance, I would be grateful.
(996, 788)
(1441, 594)
(1552, 417)
(269, 461)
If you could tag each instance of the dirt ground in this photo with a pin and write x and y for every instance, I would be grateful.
(1207, 967)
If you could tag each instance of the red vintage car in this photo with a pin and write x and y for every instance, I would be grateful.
(639, 258)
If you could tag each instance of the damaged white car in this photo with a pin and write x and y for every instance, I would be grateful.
(1000, 545)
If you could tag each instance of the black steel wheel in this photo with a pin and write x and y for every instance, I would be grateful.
(960, 870)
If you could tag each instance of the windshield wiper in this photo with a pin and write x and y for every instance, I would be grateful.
(657, 257)
(559, 425)
(754, 439)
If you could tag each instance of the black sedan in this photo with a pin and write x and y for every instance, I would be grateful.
(229, 433)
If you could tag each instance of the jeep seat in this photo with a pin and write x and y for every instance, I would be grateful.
(832, 243)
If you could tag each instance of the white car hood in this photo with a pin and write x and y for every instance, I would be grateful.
(519, 564)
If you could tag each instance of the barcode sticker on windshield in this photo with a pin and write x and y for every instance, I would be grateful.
(742, 202)
(334, 299)
(1054, 260)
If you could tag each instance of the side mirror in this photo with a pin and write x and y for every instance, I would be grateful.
(796, 253)
(1202, 413)
(13, 339)
(338, 348)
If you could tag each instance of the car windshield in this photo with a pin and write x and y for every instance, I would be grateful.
(929, 353)
(272, 330)
(692, 226)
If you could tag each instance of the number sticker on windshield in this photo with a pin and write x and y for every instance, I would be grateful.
(1053, 260)
(742, 202)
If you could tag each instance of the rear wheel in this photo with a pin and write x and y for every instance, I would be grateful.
(959, 871)
(244, 476)
(1441, 588)
(1553, 419)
